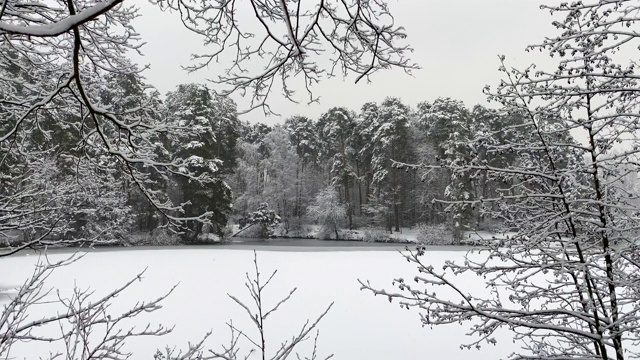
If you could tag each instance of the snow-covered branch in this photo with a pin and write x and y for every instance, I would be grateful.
(562, 282)
(353, 37)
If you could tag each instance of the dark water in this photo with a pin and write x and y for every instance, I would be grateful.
(311, 245)
(291, 244)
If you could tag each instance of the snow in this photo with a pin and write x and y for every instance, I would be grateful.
(59, 27)
(405, 235)
(7, 293)
(359, 326)
(487, 236)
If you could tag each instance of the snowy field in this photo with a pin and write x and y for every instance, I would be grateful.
(359, 326)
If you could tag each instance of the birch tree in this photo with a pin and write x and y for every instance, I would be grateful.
(565, 284)
(328, 211)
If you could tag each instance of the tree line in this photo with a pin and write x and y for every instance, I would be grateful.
(373, 159)
(58, 182)
(370, 158)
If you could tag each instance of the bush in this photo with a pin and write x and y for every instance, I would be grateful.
(375, 235)
(157, 237)
(434, 235)
(264, 219)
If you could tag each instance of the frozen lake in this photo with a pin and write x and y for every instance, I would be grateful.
(359, 326)
(280, 244)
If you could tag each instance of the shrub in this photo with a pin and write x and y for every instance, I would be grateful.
(375, 235)
(434, 234)
(157, 237)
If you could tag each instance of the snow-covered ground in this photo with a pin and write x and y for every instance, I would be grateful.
(359, 326)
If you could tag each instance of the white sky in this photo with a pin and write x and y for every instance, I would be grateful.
(456, 43)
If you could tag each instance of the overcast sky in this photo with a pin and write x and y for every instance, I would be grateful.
(456, 44)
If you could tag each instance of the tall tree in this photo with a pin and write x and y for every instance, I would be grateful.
(566, 282)
(336, 132)
(449, 126)
(363, 142)
(390, 144)
(208, 147)
(303, 135)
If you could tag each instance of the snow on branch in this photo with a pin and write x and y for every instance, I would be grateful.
(18, 12)
(87, 327)
(295, 38)
(556, 166)
(258, 313)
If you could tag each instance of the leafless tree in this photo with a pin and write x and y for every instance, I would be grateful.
(566, 283)
(86, 326)
(258, 313)
(293, 38)
(88, 329)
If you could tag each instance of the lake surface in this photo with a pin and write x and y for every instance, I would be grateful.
(359, 325)
(294, 244)
(275, 244)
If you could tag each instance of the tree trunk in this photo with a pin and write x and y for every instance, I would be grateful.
(616, 332)
(298, 184)
(359, 188)
(395, 190)
(347, 198)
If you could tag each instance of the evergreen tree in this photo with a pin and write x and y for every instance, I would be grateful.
(336, 128)
(448, 125)
(303, 135)
(208, 148)
(390, 136)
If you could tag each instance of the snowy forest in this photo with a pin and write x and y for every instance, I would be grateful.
(354, 164)
(349, 169)
(527, 208)
(346, 168)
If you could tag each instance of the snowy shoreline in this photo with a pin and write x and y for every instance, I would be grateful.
(352, 241)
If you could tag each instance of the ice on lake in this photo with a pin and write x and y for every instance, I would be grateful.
(359, 326)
